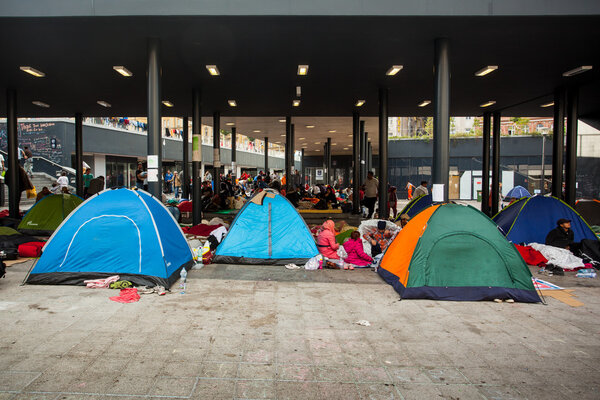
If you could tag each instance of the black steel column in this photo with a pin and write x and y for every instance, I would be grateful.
(325, 172)
(290, 181)
(14, 195)
(441, 118)
(185, 176)
(154, 116)
(496, 164)
(267, 156)
(356, 163)
(288, 138)
(233, 155)
(330, 173)
(369, 156)
(79, 154)
(384, 210)
(558, 141)
(485, 165)
(196, 157)
(302, 178)
(217, 151)
(571, 150)
(363, 152)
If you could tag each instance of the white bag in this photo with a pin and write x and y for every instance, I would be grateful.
(341, 252)
(314, 263)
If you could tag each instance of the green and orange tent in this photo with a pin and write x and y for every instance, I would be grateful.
(455, 252)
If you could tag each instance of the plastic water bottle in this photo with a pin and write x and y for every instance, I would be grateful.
(183, 275)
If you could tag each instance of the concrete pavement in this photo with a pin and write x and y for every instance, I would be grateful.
(266, 332)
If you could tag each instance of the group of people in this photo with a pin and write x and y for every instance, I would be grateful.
(378, 239)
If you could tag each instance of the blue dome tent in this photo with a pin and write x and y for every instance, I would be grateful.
(267, 230)
(530, 219)
(517, 192)
(116, 232)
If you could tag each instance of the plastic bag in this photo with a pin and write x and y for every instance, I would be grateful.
(341, 252)
(314, 263)
(31, 193)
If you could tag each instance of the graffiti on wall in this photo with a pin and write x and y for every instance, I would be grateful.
(40, 137)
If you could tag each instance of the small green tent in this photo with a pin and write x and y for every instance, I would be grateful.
(47, 214)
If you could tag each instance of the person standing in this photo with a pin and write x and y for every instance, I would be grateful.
(62, 180)
(393, 200)
(177, 184)
(169, 181)
(421, 190)
(371, 187)
(139, 176)
(28, 161)
(87, 178)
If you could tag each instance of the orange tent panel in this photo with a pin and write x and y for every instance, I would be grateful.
(397, 257)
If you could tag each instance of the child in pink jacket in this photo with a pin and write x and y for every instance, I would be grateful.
(356, 255)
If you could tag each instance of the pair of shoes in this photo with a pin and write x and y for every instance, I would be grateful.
(160, 290)
(497, 300)
(121, 285)
(351, 268)
(331, 265)
(345, 266)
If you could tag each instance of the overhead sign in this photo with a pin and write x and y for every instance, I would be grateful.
(319, 174)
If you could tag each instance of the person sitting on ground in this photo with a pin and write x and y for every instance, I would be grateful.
(328, 246)
(404, 218)
(55, 188)
(562, 236)
(356, 256)
(330, 198)
(379, 239)
(65, 190)
(45, 192)
(96, 186)
(295, 197)
(421, 190)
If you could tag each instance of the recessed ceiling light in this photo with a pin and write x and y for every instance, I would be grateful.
(41, 104)
(232, 103)
(122, 70)
(256, 131)
(103, 103)
(296, 103)
(304, 144)
(350, 135)
(298, 91)
(301, 138)
(332, 131)
(317, 149)
(282, 135)
(486, 70)
(572, 72)
(394, 70)
(488, 103)
(305, 147)
(168, 103)
(359, 103)
(33, 71)
(281, 120)
(277, 142)
(334, 144)
(345, 148)
(213, 70)
(547, 104)
(317, 142)
(424, 103)
(349, 145)
(230, 123)
(310, 126)
(302, 69)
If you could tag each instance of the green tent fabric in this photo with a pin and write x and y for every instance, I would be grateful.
(47, 214)
(340, 237)
(455, 252)
(6, 231)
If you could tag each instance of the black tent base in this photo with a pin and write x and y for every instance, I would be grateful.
(77, 278)
(220, 259)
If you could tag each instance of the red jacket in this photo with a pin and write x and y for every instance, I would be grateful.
(326, 241)
(356, 255)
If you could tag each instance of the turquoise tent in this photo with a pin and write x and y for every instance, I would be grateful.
(267, 230)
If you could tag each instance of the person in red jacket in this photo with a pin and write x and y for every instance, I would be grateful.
(328, 246)
(356, 256)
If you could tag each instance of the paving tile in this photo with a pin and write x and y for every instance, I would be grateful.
(255, 389)
(337, 391)
(214, 389)
(378, 391)
(256, 371)
(169, 386)
(219, 370)
(408, 375)
(296, 390)
(16, 380)
(295, 372)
